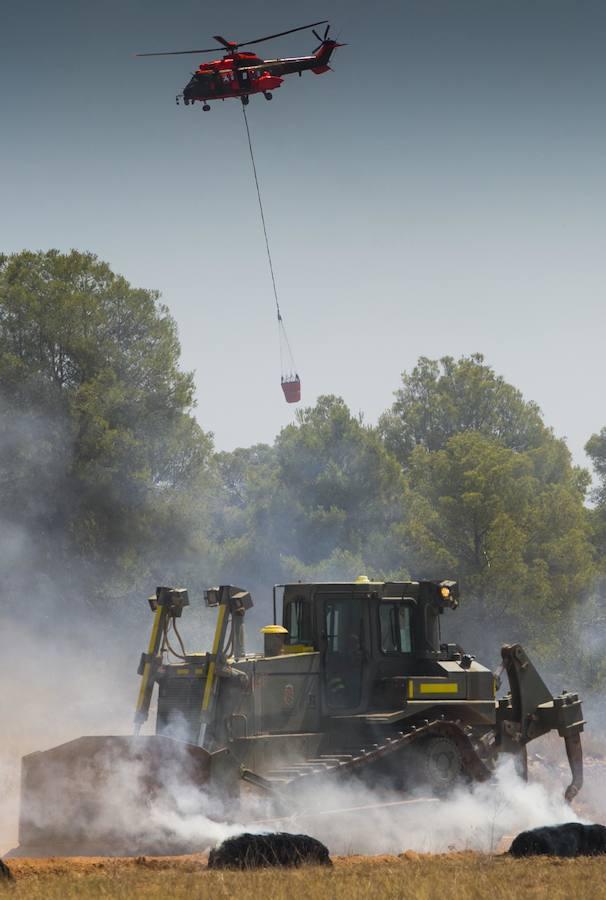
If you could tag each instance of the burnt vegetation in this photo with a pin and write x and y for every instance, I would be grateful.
(251, 851)
(571, 839)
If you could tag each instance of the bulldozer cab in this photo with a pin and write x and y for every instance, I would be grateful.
(365, 633)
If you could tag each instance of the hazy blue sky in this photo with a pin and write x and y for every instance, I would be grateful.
(442, 192)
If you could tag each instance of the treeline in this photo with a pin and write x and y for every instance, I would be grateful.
(110, 486)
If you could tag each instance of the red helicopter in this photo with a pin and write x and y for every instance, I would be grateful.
(242, 74)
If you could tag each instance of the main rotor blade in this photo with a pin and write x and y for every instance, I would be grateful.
(179, 52)
(270, 37)
(232, 45)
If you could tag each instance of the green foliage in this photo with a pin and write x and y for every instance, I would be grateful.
(518, 541)
(439, 399)
(593, 625)
(494, 498)
(326, 497)
(344, 489)
(596, 450)
(95, 403)
(246, 515)
(341, 565)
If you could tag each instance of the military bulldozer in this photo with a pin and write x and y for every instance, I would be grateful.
(354, 682)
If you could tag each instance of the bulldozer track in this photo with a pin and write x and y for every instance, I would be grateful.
(335, 765)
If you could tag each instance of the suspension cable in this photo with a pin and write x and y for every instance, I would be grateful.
(282, 336)
(271, 266)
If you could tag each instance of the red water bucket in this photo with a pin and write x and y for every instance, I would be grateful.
(292, 389)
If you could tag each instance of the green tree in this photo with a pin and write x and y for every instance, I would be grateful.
(518, 540)
(439, 399)
(97, 440)
(246, 515)
(344, 490)
(596, 450)
(327, 498)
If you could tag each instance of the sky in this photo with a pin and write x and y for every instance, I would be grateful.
(441, 192)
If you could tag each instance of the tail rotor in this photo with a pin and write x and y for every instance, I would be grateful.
(321, 39)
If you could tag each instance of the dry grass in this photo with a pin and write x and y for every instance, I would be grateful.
(410, 875)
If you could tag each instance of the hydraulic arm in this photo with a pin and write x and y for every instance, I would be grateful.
(167, 605)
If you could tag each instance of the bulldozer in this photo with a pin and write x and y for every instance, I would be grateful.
(354, 684)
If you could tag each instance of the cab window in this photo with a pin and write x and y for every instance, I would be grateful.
(395, 628)
(298, 622)
(343, 625)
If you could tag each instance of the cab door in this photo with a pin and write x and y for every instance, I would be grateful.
(343, 651)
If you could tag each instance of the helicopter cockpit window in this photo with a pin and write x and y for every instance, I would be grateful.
(298, 622)
(395, 625)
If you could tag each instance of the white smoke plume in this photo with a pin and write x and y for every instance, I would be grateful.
(348, 818)
(62, 680)
(476, 817)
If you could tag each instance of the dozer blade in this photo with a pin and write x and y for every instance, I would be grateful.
(109, 795)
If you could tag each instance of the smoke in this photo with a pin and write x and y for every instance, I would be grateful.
(349, 818)
(476, 817)
(120, 796)
(62, 679)
(68, 673)
(131, 798)
(72, 630)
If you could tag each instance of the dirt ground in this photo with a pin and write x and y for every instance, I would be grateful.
(409, 875)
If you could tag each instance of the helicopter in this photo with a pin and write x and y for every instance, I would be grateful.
(240, 74)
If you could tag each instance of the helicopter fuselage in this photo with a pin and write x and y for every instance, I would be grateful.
(241, 74)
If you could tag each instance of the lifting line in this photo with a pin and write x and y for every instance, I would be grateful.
(281, 329)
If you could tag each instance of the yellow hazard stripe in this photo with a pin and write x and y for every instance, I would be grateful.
(449, 687)
(189, 672)
(211, 669)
